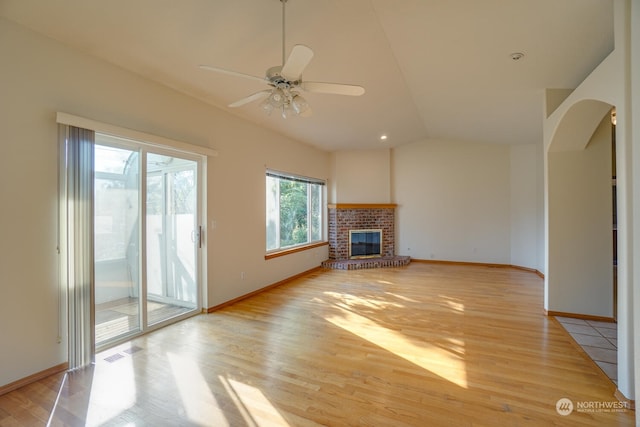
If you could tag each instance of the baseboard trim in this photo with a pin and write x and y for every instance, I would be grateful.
(580, 316)
(530, 270)
(479, 264)
(630, 403)
(33, 378)
(259, 291)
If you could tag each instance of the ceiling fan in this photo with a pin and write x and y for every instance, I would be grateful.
(285, 82)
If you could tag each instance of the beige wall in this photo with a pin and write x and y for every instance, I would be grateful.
(453, 201)
(634, 137)
(362, 176)
(43, 77)
(611, 84)
(580, 228)
(489, 200)
(526, 206)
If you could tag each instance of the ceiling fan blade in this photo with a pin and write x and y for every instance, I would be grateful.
(231, 73)
(332, 88)
(250, 98)
(297, 61)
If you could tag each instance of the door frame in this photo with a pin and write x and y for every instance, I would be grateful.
(144, 148)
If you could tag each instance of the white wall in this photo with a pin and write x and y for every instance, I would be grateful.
(634, 139)
(362, 176)
(526, 206)
(612, 83)
(453, 201)
(40, 77)
(507, 179)
(541, 227)
(580, 228)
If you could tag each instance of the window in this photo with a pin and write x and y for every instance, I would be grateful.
(295, 207)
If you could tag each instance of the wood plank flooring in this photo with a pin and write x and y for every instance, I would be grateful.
(423, 345)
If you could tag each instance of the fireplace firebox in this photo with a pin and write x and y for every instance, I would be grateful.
(365, 243)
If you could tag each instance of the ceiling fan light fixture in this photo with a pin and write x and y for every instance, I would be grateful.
(287, 111)
(267, 106)
(299, 104)
(277, 98)
(288, 102)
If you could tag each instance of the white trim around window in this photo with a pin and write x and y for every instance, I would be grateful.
(147, 138)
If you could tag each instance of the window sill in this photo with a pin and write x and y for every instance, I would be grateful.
(284, 252)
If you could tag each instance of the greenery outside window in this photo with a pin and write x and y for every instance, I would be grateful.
(295, 207)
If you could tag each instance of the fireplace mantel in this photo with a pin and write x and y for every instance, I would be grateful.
(362, 205)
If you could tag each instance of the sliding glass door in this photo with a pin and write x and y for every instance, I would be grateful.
(172, 237)
(116, 253)
(147, 238)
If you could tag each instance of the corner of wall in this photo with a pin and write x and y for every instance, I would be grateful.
(553, 98)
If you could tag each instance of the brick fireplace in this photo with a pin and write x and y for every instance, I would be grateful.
(344, 217)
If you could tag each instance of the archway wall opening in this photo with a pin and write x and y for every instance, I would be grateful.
(578, 212)
(573, 121)
(578, 193)
(580, 224)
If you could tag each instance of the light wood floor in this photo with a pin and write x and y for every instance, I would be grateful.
(423, 345)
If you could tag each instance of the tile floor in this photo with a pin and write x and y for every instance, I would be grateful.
(598, 340)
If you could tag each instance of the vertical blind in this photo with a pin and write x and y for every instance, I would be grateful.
(76, 239)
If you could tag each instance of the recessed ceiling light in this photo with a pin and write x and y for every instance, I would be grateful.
(517, 56)
(383, 137)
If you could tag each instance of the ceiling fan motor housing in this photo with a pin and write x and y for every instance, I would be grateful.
(277, 80)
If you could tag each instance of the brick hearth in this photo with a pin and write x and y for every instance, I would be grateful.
(345, 217)
(358, 264)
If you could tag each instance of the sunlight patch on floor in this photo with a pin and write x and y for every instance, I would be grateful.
(199, 403)
(452, 303)
(353, 300)
(401, 297)
(442, 362)
(254, 406)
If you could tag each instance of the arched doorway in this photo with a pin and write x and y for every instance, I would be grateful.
(580, 282)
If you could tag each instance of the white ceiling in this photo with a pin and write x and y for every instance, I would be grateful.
(431, 68)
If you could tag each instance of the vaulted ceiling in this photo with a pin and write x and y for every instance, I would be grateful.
(438, 69)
